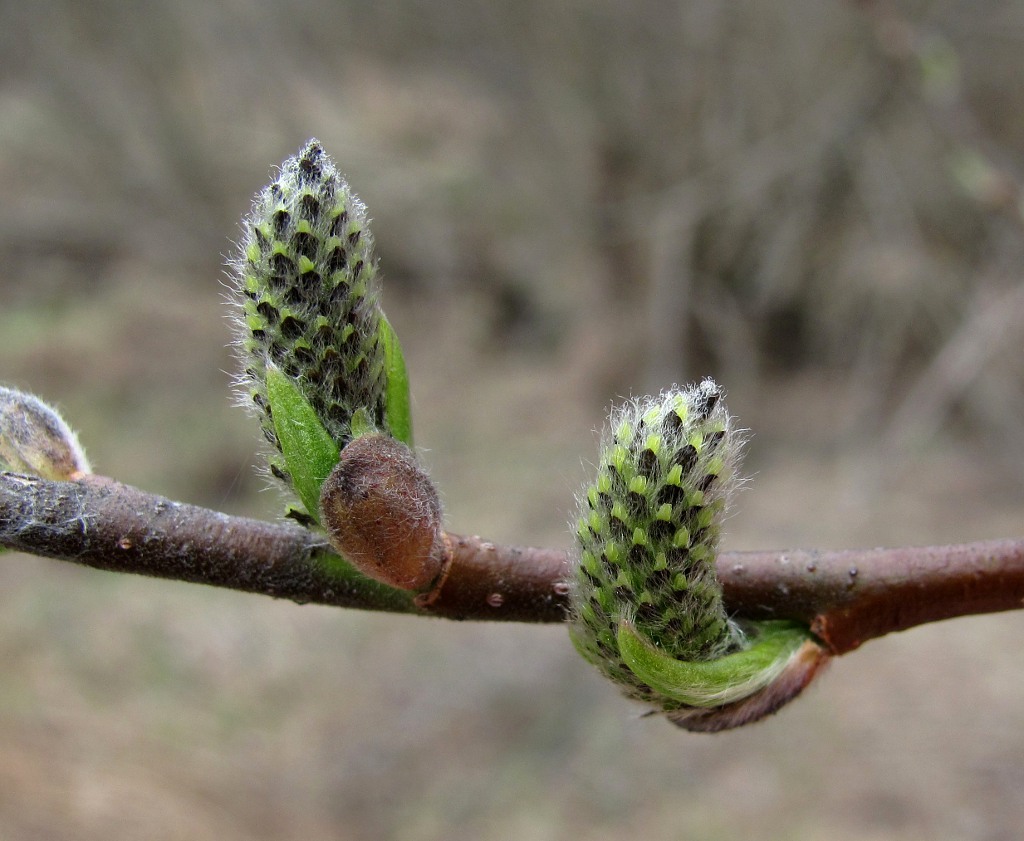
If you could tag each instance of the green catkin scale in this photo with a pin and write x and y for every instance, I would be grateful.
(647, 608)
(308, 291)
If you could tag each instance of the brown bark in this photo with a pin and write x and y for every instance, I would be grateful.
(853, 595)
(846, 596)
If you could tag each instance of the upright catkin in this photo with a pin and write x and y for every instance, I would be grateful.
(306, 281)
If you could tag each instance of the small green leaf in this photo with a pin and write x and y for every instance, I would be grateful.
(397, 411)
(712, 683)
(309, 452)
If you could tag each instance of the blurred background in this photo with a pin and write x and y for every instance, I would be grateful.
(815, 202)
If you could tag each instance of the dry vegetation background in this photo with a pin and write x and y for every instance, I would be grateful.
(573, 202)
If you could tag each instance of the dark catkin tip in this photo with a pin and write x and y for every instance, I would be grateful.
(282, 265)
(661, 530)
(310, 206)
(336, 259)
(269, 312)
(671, 494)
(305, 244)
(280, 220)
(638, 555)
(338, 223)
(705, 482)
(310, 163)
(672, 423)
(714, 439)
(293, 296)
(292, 327)
(648, 463)
(637, 505)
(707, 398)
(686, 458)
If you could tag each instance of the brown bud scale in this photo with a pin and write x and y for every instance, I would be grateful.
(383, 514)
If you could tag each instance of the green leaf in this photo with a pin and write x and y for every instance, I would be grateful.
(310, 453)
(397, 412)
(712, 683)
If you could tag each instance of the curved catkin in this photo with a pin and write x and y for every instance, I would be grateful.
(307, 296)
(648, 532)
(646, 604)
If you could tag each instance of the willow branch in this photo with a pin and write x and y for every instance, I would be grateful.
(847, 597)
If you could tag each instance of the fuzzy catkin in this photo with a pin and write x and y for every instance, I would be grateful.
(34, 439)
(309, 298)
(648, 532)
